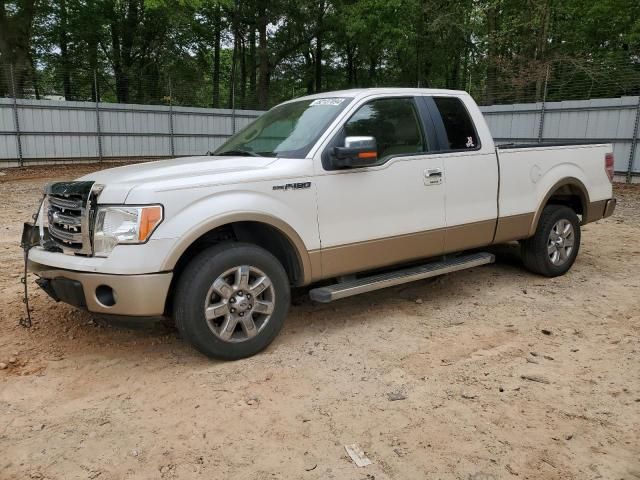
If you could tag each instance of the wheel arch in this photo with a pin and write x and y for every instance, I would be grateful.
(264, 230)
(569, 191)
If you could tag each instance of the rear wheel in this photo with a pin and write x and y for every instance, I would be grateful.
(231, 300)
(554, 247)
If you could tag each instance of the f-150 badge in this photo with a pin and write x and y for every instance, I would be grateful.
(293, 186)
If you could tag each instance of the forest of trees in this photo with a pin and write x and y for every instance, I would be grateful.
(255, 53)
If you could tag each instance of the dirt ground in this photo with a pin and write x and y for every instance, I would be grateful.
(453, 378)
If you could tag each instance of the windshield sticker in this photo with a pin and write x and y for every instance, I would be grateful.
(327, 101)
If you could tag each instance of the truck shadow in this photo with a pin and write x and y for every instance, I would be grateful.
(159, 336)
(442, 292)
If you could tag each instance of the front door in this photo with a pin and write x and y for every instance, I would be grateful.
(388, 213)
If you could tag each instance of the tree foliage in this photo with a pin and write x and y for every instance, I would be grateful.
(254, 53)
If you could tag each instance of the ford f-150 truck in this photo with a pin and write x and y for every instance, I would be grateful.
(346, 191)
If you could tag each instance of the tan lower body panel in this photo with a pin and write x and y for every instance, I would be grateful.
(470, 235)
(595, 211)
(361, 256)
(513, 227)
(136, 295)
(610, 207)
(372, 254)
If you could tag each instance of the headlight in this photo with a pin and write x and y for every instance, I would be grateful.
(124, 225)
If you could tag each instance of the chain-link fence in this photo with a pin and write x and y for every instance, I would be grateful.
(81, 119)
(157, 88)
(500, 83)
(556, 80)
(155, 113)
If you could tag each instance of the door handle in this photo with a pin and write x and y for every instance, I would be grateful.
(433, 176)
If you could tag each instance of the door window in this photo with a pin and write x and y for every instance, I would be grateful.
(394, 124)
(461, 134)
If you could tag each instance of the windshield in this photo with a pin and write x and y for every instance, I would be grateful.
(288, 130)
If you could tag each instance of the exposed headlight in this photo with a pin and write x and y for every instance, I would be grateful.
(124, 225)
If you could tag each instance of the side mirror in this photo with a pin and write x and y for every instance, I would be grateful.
(357, 152)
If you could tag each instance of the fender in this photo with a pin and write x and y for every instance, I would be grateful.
(568, 181)
(309, 261)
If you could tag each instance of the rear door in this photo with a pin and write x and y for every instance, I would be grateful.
(470, 171)
(388, 213)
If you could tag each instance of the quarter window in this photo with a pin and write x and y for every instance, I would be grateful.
(394, 124)
(461, 133)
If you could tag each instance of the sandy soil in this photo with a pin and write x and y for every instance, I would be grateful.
(452, 378)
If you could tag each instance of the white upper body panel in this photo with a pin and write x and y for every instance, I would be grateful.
(527, 174)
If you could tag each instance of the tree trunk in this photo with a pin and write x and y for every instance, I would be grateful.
(34, 77)
(121, 81)
(492, 52)
(124, 26)
(263, 59)
(243, 73)
(319, 38)
(92, 38)
(455, 72)
(65, 64)
(15, 47)
(541, 43)
(93, 67)
(217, 32)
(465, 64)
(318, 63)
(373, 62)
(308, 70)
(253, 76)
(350, 63)
(233, 81)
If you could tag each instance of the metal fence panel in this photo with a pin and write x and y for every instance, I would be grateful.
(606, 120)
(61, 130)
(54, 131)
(8, 144)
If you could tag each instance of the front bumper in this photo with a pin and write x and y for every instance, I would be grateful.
(131, 295)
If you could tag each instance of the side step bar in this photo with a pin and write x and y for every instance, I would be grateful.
(397, 277)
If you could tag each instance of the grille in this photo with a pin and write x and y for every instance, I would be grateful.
(68, 207)
(65, 221)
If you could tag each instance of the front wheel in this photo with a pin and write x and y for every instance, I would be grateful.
(554, 247)
(231, 300)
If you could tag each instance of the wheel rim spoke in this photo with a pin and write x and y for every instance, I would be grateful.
(216, 310)
(242, 277)
(228, 327)
(260, 286)
(222, 288)
(557, 229)
(264, 307)
(562, 252)
(249, 326)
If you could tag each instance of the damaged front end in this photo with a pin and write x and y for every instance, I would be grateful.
(63, 223)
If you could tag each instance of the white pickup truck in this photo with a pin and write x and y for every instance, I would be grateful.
(351, 191)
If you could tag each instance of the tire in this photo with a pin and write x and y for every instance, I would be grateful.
(547, 252)
(232, 309)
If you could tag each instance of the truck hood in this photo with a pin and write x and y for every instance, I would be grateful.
(120, 181)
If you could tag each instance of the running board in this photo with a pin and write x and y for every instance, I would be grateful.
(398, 277)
